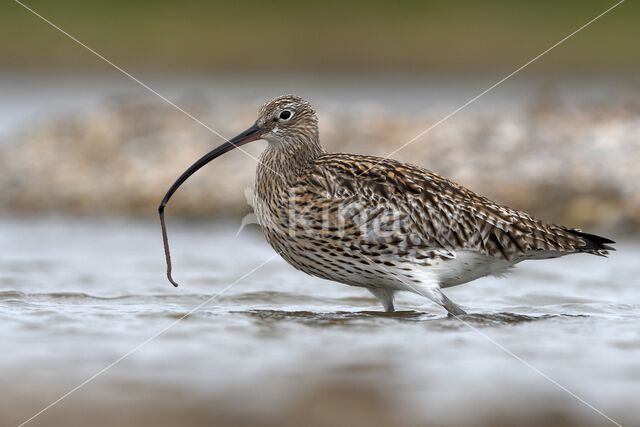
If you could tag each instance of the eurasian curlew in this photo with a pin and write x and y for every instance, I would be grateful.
(377, 223)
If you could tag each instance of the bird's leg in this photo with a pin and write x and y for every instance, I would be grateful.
(452, 308)
(435, 294)
(385, 296)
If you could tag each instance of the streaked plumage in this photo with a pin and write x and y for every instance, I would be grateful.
(384, 225)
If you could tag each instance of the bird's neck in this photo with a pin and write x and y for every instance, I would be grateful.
(284, 161)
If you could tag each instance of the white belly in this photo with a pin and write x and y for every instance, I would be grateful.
(464, 267)
(467, 266)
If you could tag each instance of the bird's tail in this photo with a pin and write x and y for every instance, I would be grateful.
(593, 244)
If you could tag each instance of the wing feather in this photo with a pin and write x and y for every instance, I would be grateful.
(380, 202)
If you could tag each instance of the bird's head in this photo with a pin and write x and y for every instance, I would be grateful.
(283, 121)
(287, 119)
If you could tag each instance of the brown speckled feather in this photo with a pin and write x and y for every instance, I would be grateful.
(439, 213)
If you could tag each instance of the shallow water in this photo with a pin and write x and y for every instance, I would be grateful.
(279, 346)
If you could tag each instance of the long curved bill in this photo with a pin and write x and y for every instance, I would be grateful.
(252, 134)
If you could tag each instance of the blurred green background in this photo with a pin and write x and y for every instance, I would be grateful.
(356, 36)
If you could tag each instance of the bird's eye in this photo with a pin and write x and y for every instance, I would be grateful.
(285, 115)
